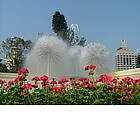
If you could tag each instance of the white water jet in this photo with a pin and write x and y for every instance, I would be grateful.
(53, 57)
(97, 54)
(75, 53)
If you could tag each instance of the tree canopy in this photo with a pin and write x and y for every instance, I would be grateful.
(59, 26)
(15, 50)
(59, 22)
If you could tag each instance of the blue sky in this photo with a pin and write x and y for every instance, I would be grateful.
(102, 21)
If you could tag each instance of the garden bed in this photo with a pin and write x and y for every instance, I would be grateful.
(84, 91)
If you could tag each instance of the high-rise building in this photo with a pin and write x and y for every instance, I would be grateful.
(125, 57)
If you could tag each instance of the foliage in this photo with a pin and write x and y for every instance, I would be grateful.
(58, 22)
(82, 42)
(3, 68)
(41, 90)
(15, 50)
(68, 36)
(59, 26)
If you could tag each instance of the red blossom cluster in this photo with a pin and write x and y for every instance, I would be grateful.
(26, 88)
(35, 78)
(53, 82)
(90, 67)
(2, 82)
(44, 78)
(124, 88)
(62, 80)
(11, 82)
(105, 79)
(18, 79)
(23, 71)
(82, 82)
(59, 89)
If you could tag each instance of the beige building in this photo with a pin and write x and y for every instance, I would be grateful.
(13, 58)
(125, 57)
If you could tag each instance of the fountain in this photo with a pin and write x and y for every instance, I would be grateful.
(53, 57)
(97, 54)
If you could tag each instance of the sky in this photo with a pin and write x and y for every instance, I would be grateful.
(100, 21)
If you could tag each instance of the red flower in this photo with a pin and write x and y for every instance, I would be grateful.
(63, 80)
(35, 85)
(74, 83)
(92, 67)
(90, 85)
(44, 78)
(2, 81)
(57, 89)
(27, 86)
(120, 83)
(86, 80)
(131, 91)
(23, 92)
(135, 81)
(120, 99)
(53, 82)
(81, 79)
(47, 84)
(112, 87)
(35, 78)
(72, 78)
(23, 71)
(128, 97)
(19, 78)
(11, 83)
(106, 78)
(114, 80)
(86, 68)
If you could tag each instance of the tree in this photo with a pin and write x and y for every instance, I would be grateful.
(59, 26)
(3, 68)
(59, 23)
(68, 36)
(15, 50)
(82, 41)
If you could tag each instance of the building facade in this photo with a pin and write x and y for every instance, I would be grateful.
(12, 59)
(125, 57)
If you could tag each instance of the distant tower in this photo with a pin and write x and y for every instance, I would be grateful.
(125, 57)
(75, 29)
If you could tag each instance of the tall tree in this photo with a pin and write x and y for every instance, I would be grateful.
(15, 50)
(59, 22)
(59, 26)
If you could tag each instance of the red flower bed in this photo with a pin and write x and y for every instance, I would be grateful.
(42, 90)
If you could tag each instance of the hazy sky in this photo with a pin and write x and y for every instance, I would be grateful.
(102, 21)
